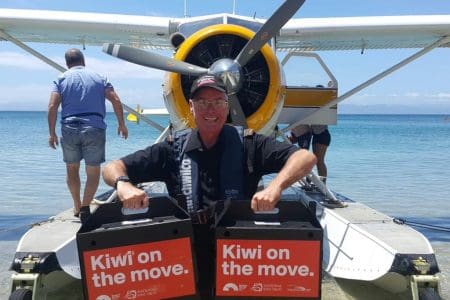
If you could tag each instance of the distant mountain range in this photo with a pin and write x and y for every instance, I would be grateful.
(345, 108)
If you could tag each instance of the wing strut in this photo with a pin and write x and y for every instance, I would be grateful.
(62, 69)
(143, 117)
(32, 51)
(372, 80)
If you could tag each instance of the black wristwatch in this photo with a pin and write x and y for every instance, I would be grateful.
(121, 178)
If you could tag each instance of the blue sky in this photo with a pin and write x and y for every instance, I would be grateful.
(421, 87)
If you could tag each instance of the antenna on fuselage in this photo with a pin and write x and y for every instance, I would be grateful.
(185, 8)
(234, 7)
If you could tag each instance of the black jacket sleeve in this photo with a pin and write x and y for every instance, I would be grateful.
(270, 154)
(153, 163)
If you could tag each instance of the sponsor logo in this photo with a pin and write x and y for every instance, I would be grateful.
(186, 183)
(257, 287)
(230, 287)
(139, 271)
(132, 294)
(297, 288)
(272, 268)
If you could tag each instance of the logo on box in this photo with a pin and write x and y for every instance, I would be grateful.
(161, 269)
(281, 268)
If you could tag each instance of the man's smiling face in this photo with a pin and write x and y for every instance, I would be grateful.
(210, 110)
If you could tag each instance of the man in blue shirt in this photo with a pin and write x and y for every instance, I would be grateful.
(81, 93)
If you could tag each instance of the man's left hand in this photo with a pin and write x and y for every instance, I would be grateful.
(53, 141)
(266, 200)
(292, 138)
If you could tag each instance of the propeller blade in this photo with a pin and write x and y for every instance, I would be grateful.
(236, 113)
(152, 60)
(268, 30)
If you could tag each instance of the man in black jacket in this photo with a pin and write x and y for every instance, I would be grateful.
(212, 162)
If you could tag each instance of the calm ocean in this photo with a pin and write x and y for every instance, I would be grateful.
(397, 164)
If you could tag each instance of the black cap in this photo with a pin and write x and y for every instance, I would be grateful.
(207, 81)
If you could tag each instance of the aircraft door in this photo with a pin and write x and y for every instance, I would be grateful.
(309, 85)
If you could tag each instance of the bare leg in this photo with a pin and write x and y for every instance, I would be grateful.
(92, 181)
(73, 182)
(320, 150)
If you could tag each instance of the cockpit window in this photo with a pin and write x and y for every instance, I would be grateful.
(187, 29)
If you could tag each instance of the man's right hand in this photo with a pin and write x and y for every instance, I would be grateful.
(122, 130)
(267, 199)
(131, 196)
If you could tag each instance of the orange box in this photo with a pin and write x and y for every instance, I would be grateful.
(142, 257)
(275, 257)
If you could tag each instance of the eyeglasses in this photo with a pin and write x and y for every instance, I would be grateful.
(203, 103)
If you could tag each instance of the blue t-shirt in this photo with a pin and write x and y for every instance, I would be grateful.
(83, 96)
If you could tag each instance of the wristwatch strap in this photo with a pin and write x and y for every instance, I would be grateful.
(121, 178)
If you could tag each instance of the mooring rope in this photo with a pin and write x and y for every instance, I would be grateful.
(423, 225)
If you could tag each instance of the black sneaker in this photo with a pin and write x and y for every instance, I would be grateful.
(84, 213)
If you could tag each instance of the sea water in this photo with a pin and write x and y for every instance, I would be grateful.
(397, 164)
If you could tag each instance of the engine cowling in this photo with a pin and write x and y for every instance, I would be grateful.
(261, 94)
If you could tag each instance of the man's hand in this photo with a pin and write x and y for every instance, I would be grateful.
(122, 130)
(53, 141)
(266, 200)
(293, 138)
(131, 196)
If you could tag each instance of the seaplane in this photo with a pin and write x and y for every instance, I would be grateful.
(362, 247)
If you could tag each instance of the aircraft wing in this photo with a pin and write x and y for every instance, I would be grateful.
(360, 33)
(306, 34)
(63, 27)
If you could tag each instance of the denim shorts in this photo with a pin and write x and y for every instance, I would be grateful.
(79, 142)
